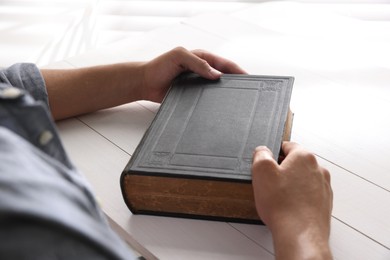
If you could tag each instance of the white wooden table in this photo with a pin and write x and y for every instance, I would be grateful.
(341, 101)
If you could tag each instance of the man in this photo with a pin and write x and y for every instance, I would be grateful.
(47, 210)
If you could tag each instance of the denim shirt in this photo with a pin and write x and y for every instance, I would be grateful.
(47, 209)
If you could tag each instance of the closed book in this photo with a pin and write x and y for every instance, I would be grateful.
(195, 158)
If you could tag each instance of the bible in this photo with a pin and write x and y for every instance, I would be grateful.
(195, 159)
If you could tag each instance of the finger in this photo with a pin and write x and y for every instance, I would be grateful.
(262, 153)
(264, 166)
(219, 63)
(327, 178)
(288, 147)
(263, 160)
(296, 155)
(188, 61)
(326, 174)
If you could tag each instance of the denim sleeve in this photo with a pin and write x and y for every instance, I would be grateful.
(26, 76)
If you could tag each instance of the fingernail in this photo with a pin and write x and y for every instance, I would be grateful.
(215, 73)
(263, 150)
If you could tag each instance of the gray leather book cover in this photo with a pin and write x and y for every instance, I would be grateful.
(209, 129)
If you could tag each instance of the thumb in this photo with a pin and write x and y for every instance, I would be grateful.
(263, 162)
(262, 153)
(264, 171)
(202, 67)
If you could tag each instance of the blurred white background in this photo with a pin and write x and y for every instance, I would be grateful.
(46, 31)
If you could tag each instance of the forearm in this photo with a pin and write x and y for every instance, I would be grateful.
(78, 91)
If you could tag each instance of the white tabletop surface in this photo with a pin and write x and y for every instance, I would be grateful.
(341, 101)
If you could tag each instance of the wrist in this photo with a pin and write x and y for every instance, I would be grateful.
(142, 86)
(308, 241)
(133, 81)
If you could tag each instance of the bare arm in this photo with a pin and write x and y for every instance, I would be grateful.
(79, 91)
(294, 199)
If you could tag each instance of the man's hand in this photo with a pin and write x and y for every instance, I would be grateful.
(78, 91)
(159, 73)
(294, 199)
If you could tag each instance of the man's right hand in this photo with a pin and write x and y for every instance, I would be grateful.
(294, 199)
